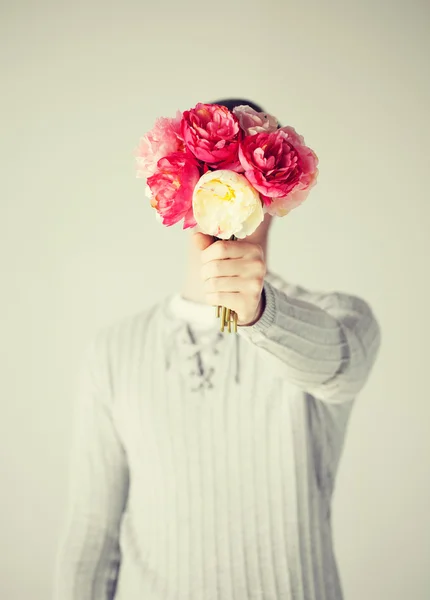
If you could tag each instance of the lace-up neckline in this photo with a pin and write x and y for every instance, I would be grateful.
(194, 327)
(196, 337)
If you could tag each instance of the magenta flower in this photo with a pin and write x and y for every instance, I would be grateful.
(280, 167)
(164, 139)
(212, 133)
(172, 187)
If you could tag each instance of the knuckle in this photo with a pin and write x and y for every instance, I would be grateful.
(223, 248)
(261, 266)
(255, 287)
(217, 268)
(259, 251)
(204, 255)
(211, 284)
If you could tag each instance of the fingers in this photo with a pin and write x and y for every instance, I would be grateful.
(238, 285)
(233, 275)
(236, 301)
(223, 249)
(245, 268)
(202, 241)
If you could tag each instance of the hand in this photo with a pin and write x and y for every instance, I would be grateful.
(233, 276)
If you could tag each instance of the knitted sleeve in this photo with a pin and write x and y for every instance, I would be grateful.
(89, 558)
(324, 343)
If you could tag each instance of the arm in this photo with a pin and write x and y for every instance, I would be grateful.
(89, 558)
(325, 344)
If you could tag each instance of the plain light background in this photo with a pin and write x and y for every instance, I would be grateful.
(80, 247)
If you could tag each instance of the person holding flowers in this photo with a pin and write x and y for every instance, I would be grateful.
(205, 463)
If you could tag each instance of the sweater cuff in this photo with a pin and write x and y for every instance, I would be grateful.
(268, 316)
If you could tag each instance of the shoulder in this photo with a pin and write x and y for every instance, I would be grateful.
(114, 342)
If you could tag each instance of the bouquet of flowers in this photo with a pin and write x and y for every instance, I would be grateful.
(222, 170)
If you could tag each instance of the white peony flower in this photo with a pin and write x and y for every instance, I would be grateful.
(226, 204)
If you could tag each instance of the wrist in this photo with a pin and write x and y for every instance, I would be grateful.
(259, 312)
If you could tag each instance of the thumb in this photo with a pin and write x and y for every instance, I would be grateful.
(202, 241)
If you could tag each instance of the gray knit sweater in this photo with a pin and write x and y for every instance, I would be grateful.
(204, 463)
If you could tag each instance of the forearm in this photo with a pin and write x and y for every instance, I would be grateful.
(89, 557)
(88, 564)
(317, 348)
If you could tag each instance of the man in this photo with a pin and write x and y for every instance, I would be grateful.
(205, 462)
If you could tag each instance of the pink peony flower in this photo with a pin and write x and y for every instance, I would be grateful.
(172, 188)
(163, 139)
(212, 133)
(253, 122)
(280, 167)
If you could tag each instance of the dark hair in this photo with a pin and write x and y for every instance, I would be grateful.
(231, 103)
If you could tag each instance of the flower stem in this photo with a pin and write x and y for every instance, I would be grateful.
(224, 310)
(226, 315)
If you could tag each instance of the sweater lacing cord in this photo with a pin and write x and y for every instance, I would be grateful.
(192, 348)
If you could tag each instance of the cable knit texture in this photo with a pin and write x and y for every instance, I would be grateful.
(204, 464)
